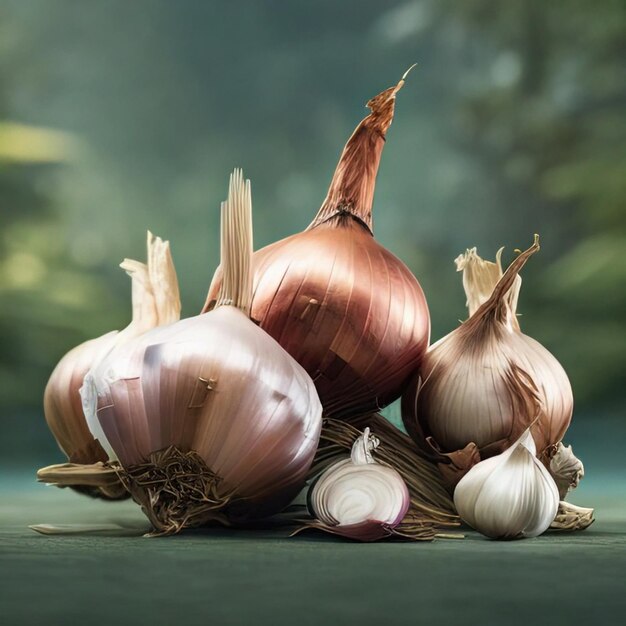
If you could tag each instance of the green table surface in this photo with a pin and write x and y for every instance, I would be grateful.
(223, 577)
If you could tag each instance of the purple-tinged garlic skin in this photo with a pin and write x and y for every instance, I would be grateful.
(218, 386)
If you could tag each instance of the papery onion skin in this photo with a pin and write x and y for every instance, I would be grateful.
(349, 311)
(63, 409)
(484, 384)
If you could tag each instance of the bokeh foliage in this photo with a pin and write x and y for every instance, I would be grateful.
(121, 116)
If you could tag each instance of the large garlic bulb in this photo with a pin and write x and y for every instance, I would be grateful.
(350, 312)
(209, 417)
(483, 384)
(155, 301)
(510, 495)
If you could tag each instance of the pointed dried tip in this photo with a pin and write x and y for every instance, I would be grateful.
(163, 280)
(132, 267)
(351, 190)
(362, 448)
(403, 79)
(382, 106)
(497, 301)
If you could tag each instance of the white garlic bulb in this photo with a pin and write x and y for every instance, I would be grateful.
(508, 496)
(479, 387)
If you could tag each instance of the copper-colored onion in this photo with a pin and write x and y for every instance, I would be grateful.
(209, 417)
(480, 387)
(350, 312)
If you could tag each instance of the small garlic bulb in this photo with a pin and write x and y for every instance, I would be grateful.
(155, 300)
(358, 497)
(484, 383)
(156, 303)
(509, 496)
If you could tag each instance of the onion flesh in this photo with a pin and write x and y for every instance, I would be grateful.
(358, 497)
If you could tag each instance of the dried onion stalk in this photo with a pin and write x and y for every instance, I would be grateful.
(349, 311)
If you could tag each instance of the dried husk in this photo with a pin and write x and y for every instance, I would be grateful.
(570, 517)
(431, 507)
(566, 469)
(481, 386)
(349, 311)
(211, 420)
(155, 301)
(98, 480)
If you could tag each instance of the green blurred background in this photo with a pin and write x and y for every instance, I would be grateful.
(120, 116)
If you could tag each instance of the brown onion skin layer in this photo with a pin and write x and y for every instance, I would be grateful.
(349, 311)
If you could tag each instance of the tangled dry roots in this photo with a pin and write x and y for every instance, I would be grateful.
(431, 505)
(176, 490)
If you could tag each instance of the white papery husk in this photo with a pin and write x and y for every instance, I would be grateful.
(508, 496)
(566, 469)
(156, 302)
(154, 297)
(359, 497)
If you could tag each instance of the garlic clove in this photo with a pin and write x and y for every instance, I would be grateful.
(566, 469)
(510, 495)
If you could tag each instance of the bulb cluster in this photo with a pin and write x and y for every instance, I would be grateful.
(217, 417)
